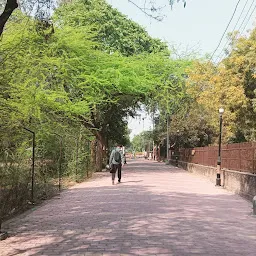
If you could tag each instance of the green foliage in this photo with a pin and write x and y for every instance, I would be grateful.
(53, 82)
(242, 65)
(231, 85)
(69, 82)
(113, 30)
(131, 79)
(143, 141)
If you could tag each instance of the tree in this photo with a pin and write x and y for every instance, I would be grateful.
(65, 84)
(73, 80)
(43, 8)
(113, 30)
(152, 9)
(10, 6)
(241, 64)
(83, 73)
(142, 141)
(213, 87)
(230, 84)
(114, 33)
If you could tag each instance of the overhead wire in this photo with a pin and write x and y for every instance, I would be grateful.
(225, 29)
(239, 29)
(249, 18)
(220, 56)
(246, 15)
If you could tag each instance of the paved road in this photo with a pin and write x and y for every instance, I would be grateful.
(156, 210)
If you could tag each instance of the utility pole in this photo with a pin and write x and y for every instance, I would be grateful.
(153, 152)
(33, 163)
(167, 140)
(218, 179)
(143, 139)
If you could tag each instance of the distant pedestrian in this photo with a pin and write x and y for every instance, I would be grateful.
(116, 162)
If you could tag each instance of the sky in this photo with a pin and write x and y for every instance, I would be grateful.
(197, 28)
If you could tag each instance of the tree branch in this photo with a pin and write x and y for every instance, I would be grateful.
(144, 10)
(149, 11)
(10, 6)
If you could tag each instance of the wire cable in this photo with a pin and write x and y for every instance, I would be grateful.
(248, 19)
(228, 40)
(246, 16)
(241, 32)
(225, 30)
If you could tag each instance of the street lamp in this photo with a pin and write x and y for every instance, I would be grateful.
(218, 179)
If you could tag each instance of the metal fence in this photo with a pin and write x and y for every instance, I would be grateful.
(237, 156)
(29, 174)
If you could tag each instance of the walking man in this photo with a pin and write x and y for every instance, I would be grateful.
(116, 161)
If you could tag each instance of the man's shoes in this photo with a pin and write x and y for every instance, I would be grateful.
(119, 181)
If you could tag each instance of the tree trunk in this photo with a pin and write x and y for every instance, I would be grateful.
(93, 156)
(101, 151)
(10, 6)
(99, 156)
(105, 155)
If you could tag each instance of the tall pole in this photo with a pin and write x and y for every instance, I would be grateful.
(220, 135)
(167, 140)
(153, 151)
(143, 141)
(87, 159)
(167, 130)
(60, 159)
(177, 149)
(218, 179)
(33, 167)
(33, 163)
(76, 158)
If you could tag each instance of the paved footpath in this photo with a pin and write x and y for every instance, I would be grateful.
(156, 210)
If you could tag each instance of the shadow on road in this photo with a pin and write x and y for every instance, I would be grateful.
(135, 220)
(132, 181)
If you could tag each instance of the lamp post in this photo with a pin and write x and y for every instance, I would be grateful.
(143, 140)
(167, 139)
(218, 179)
(153, 152)
(177, 149)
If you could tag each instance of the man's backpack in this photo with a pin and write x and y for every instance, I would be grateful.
(117, 157)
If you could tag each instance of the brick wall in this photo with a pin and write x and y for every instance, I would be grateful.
(238, 156)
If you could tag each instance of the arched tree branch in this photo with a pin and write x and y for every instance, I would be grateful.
(10, 6)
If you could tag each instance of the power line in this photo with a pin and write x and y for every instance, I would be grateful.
(246, 15)
(241, 31)
(241, 15)
(225, 29)
(248, 19)
(221, 54)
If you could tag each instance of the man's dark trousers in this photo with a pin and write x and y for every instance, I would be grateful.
(118, 168)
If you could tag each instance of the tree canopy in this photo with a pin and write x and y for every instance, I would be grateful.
(86, 73)
(230, 84)
(44, 8)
